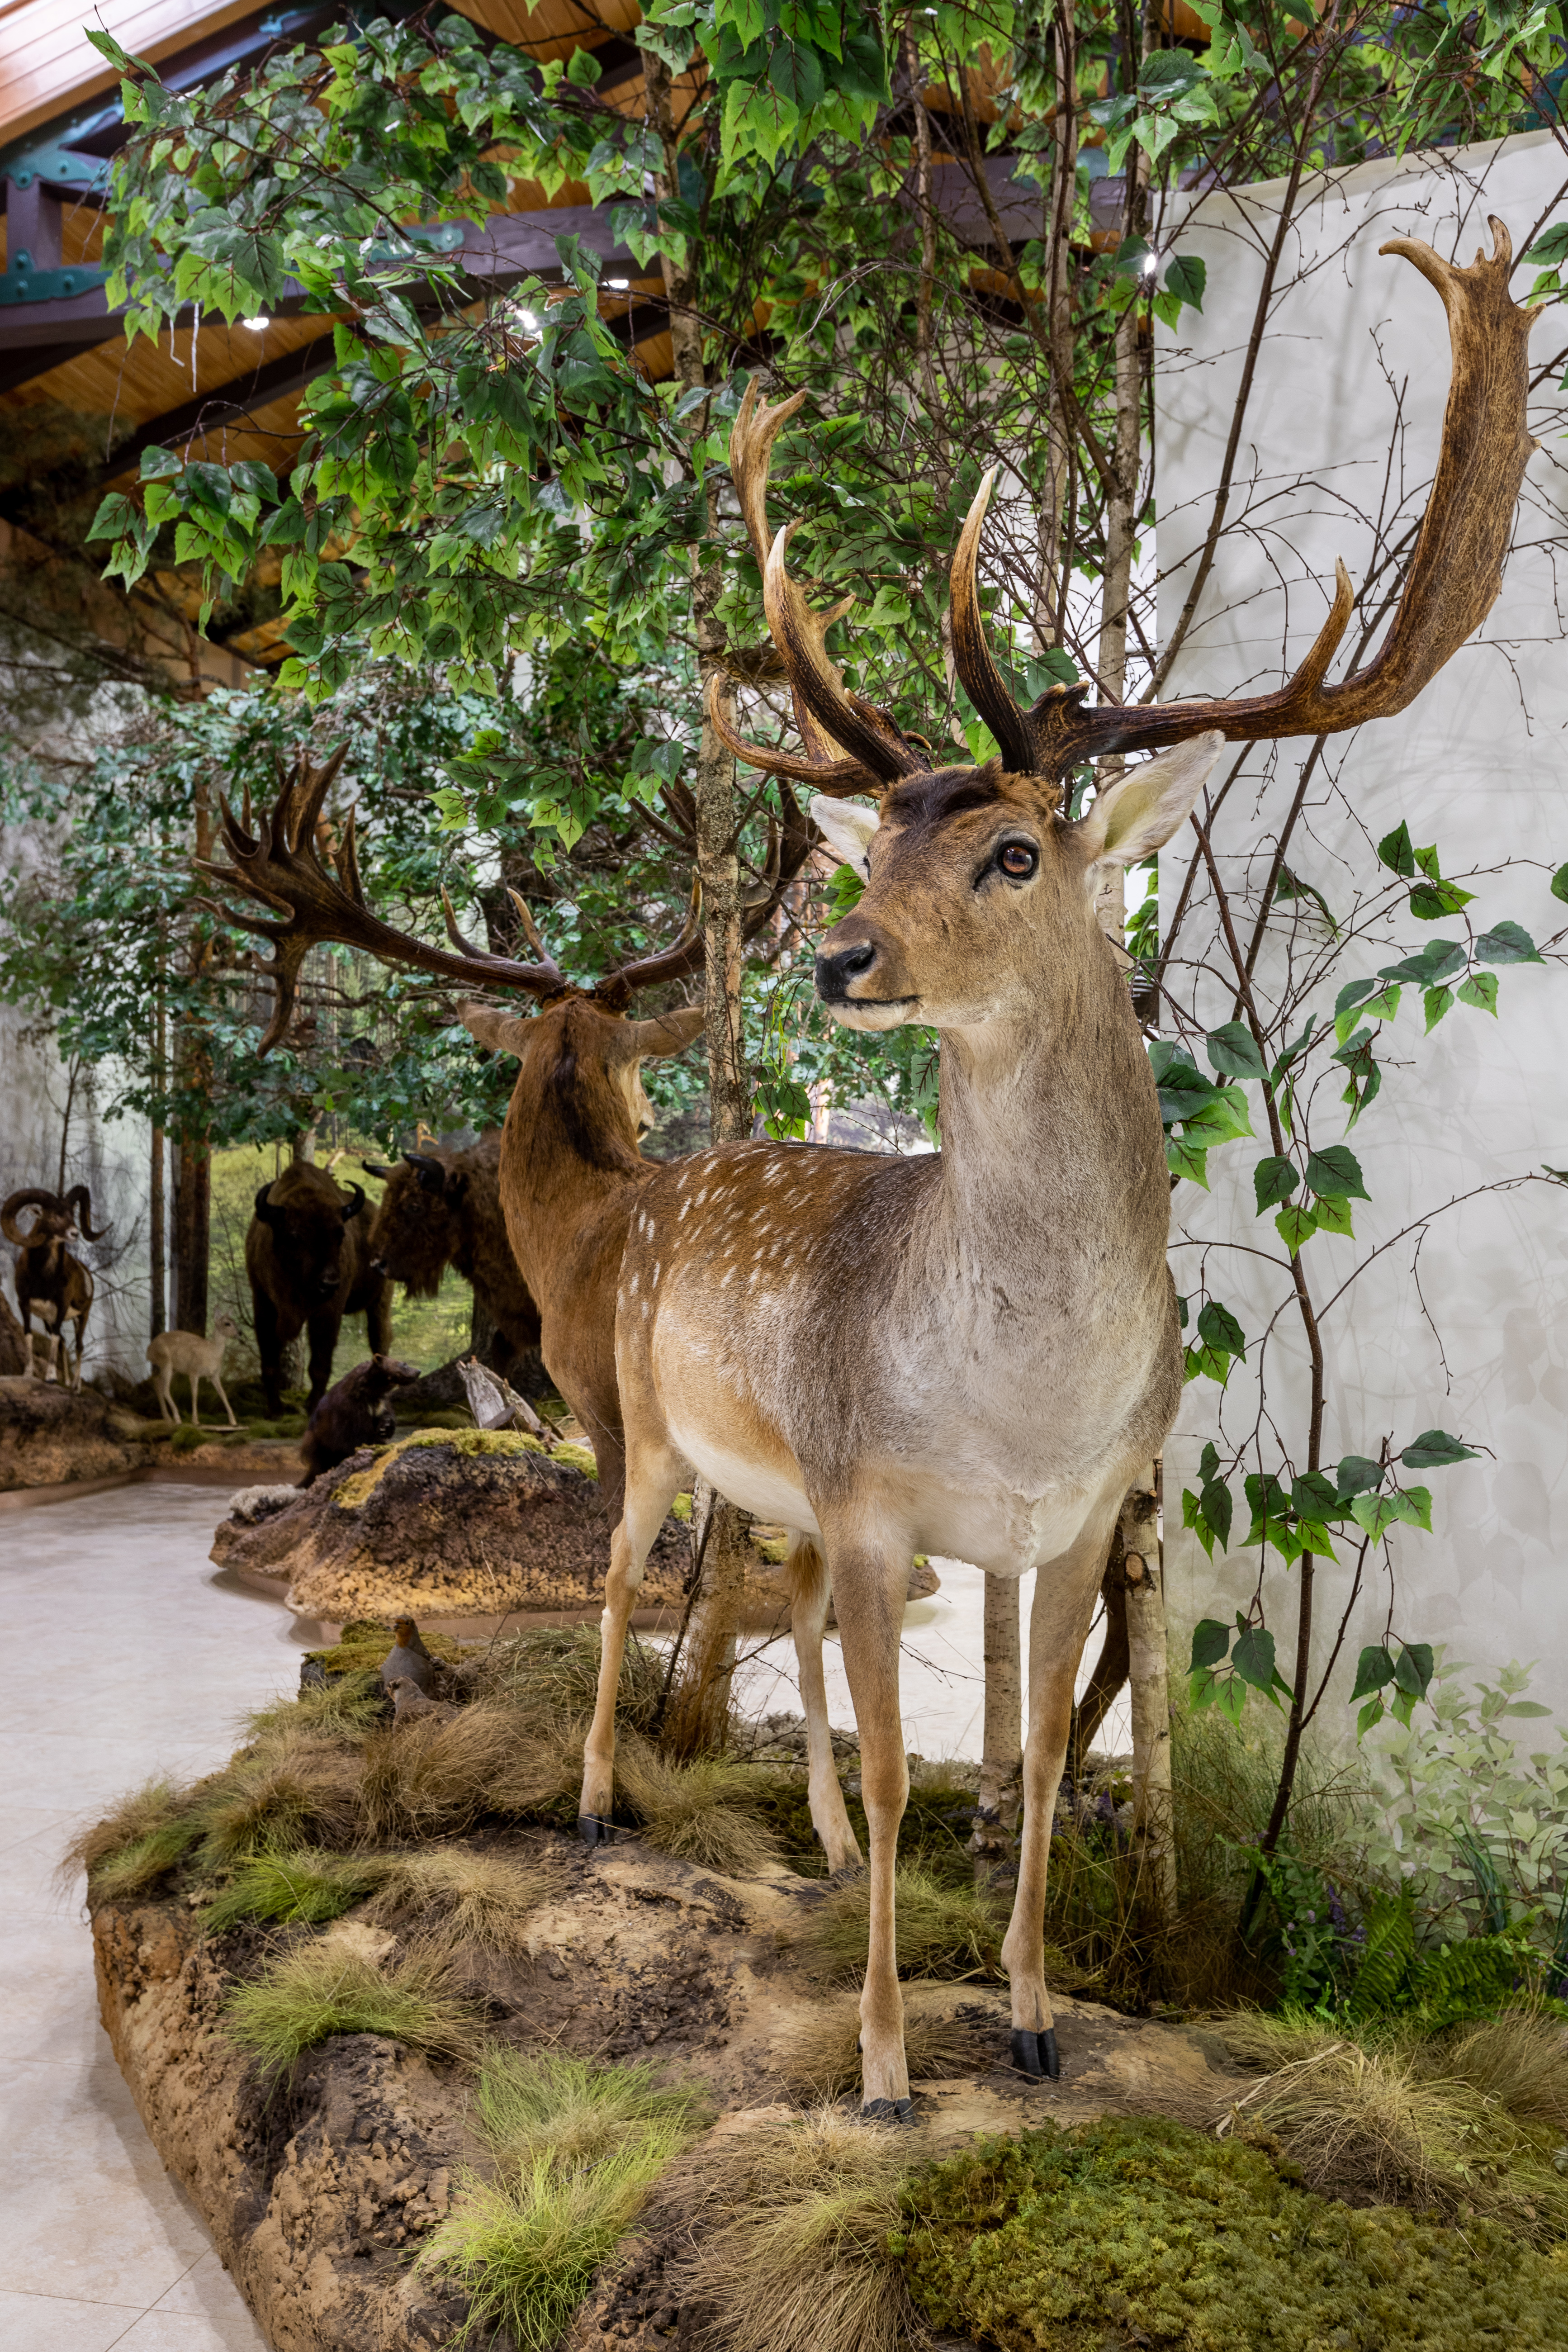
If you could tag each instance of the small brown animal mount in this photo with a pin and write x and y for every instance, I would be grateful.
(200, 1359)
(973, 1353)
(407, 1661)
(353, 1413)
(51, 1283)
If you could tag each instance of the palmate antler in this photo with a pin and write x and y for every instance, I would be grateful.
(277, 868)
(1452, 583)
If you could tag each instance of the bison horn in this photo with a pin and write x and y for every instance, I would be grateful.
(264, 1210)
(374, 1168)
(429, 1172)
(355, 1205)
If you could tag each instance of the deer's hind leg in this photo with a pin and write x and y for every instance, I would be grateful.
(805, 1572)
(870, 1580)
(1064, 1590)
(654, 1472)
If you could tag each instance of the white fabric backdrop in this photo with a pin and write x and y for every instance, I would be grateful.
(1479, 764)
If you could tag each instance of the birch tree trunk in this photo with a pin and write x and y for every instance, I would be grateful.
(699, 1703)
(993, 1841)
(1152, 1803)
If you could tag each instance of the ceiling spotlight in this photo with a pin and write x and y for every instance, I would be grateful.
(619, 285)
(257, 326)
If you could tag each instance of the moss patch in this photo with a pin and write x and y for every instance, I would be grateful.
(366, 1642)
(357, 1489)
(1141, 2231)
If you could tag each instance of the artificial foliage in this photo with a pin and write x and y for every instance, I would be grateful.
(1139, 2230)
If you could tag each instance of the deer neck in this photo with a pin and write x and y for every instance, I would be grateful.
(1052, 1164)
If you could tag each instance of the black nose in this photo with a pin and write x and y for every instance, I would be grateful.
(835, 973)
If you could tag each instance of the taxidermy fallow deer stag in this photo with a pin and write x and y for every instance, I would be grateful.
(893, 1356)
(570, 1167)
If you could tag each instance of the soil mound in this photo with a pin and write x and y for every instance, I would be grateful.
(54, 1436)
(446, 1523)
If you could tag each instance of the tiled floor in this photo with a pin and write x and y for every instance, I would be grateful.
(123, 1654)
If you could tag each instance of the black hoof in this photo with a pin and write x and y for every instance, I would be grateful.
(1035, 2055)
(888, 2111)
(593, 1831)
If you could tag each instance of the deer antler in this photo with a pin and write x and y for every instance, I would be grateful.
(850, 746)
(1452, 583)
(278, 867)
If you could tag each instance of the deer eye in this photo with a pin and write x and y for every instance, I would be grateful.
(1017, 859)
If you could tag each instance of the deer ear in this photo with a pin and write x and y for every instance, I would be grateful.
(1144, 809)
(846, 828)
(664, 1032)
(504, 1032)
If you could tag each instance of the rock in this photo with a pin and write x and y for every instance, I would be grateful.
(446, 1523)
(54, 1436)
(254, 1504)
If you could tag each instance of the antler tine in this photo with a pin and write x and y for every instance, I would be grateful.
(863, 732)
(757, 428)
(531, 929)
(309, 789)
(346, 859)
(835, 777)
(972, 656)
(1454, 573)
(752, 436)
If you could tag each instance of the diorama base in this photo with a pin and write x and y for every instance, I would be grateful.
(57, 1444)
(319, 2188)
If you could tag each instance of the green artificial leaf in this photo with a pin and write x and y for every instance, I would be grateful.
(1413, 1668)
(1333, 1216)
(1273, 1180)
(1233, 1051)
(1375, 1669)
(1436, 1000)
(1481, 990)
(1438, 962)
(1507, 943)
(1313, 1496)
(1253, 1658)
(795, 72)
(1559, 883)
(1188, 1160)
(1211, 1639)
(1336, 1170)
(1371, 1713)
(1357, 1476)
(1218, 1327)
(1430, 901)
(1218, 1507)
(1354, 993)
(1374, 1513)
(1208, 1461)
(1295, 1225)
(1394, 850)
(1434, 1449)
(584, 69)
(158, 464)
(1186, 278)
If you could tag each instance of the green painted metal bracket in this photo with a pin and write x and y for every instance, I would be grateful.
(62, 167)
(20, 282)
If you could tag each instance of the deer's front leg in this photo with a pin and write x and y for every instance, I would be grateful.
(653, 1477)
(870, 1587)
(1065, 1588)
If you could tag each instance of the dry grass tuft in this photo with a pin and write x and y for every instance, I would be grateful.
(1520, 2059)
(542, 1778)
(576, 2149)
(291, 1788)
(819, 2054)
(554, 1670)
(325, 1987)
(452, 1897)
(434, 1779)
(791, 2227)
(130, 1848)
(705, 1811)
(943, 1932)
(1405, 2120)
(351, 1703)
